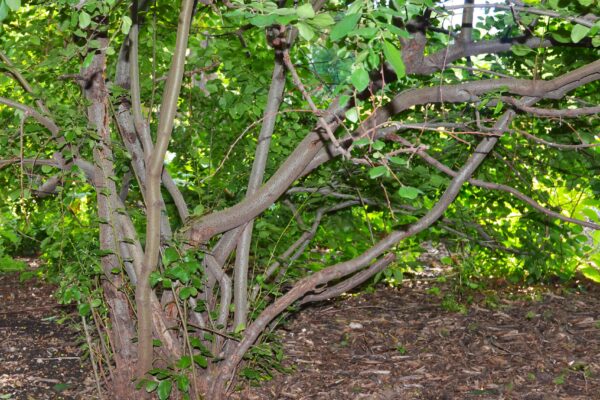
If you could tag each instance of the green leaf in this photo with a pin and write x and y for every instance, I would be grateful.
(13, 4)
(164, 389)
(84, 20)
(344, 100)
(187, 292)
(394, 57)
(520, 50)
(305, 11)
(498, 108)
(180, 273)
(362, 142)
(184, 362)
(397, 160)
(96, 303)
(579, 32)
(171, 255)
(378, 145)
(376, 172)
(240, 328)
(366, 32)
(183, 383)
(84, 309)
(342, 28)
(263, 20)
(3, 10)
(409, 192)
(586, 3)
(201, 361)
(352, 114)
(88, 60)
(322, 20)
(360, 79)
(305, 31)
(59, 387)
(151, 386)
(198, 210)
(591, 273)
(125, 24)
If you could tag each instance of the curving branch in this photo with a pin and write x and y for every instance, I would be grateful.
(465, 92)
(585, 21)
(47, 122)
(352, 282)
(22, 81)
(153, 204)
(274, 99)
(497, 186)
(343, 269)
(545, 112)
(556, 145)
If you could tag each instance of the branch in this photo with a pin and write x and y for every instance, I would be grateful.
(45, 121)
(22, 81)
(465, 92)
(544, 112)
(343, 269)
(589, 22)
(496, 186)
(556, 145)
(274, 99)
(154, 170)
(352, 282)
(221, 221)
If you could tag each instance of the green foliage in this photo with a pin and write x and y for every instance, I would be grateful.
(341, 49)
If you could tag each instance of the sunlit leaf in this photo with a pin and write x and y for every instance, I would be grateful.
(579, 32)
(409, 192)
(394, 57)
(360, 79)
(342, 28)
(84, 19)
(164, 389)
(322, 20)
(378, 171)
(13, 4)
(305, 31)
(305, 11)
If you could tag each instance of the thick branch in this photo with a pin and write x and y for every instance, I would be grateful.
(274, 99)
(348, 267)
(153, 204)
(545, 112)
(352, 282)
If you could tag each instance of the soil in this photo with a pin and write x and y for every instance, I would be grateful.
(40, 358)
(415, 343)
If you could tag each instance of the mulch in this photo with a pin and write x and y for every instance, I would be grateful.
(40, 358)
(415, 343)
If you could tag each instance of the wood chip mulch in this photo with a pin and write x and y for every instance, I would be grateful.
(39, 357)
(403, 344)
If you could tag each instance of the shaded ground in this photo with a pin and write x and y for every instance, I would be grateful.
(405, 344)
(39, 358)
(415, 342)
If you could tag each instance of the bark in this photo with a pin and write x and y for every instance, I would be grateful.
(274, 100)
(122, 331)
(153, 203)
(346, 268)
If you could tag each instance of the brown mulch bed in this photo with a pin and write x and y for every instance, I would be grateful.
(39, 358)
(403, 344)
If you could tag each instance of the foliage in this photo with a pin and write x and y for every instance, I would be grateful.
(358, 59)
